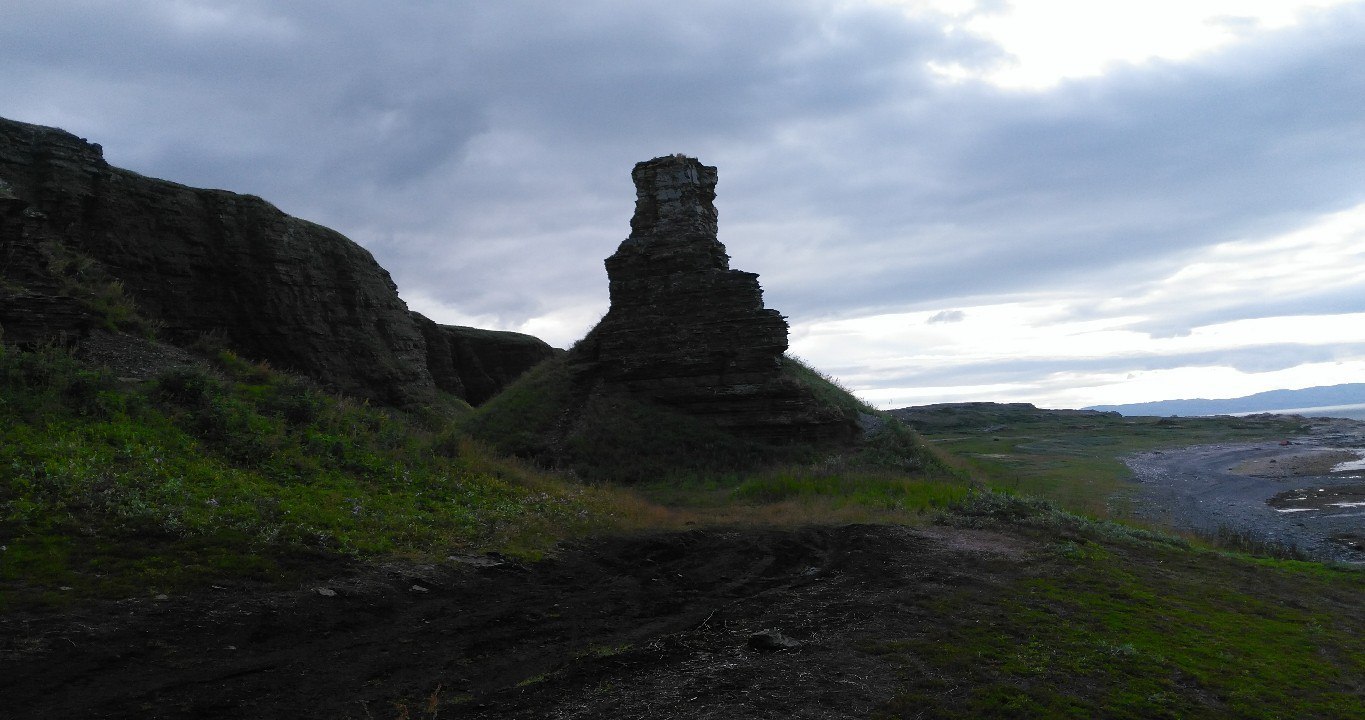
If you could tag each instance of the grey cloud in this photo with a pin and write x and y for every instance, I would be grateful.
(1260, 358)
(1040, 189)
(1177, 317)
(482, 150)
(947, 316)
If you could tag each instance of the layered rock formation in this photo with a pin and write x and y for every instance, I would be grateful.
(197, 262)
(685, 329)
(476, 364)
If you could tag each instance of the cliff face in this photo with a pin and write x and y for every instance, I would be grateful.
(687, 330)
(476, 364)
(274, 287)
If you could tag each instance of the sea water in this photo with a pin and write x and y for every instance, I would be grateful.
(1351, 412)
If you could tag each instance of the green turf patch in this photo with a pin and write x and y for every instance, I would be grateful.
(206, 468)
(1103, 623)
(1072, 459)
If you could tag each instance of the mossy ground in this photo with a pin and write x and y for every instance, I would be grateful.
(1106, 621)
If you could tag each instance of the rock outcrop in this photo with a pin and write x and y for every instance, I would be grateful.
(685, 329)
(79, 238)
(476, 364)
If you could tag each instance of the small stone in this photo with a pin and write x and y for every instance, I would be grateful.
(417, 589)
(162, 596)
(772, 640)
(326, 592)
(481, 561)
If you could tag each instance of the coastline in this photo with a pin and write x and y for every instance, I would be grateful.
(1283, 494)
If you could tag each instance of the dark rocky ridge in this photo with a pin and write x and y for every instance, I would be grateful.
(987, 415)
(476, 364)
(685, 329)
(274, 287)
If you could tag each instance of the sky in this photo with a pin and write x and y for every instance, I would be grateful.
(1063, 202)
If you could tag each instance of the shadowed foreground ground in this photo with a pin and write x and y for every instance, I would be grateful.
(654, 627)
(854, 621)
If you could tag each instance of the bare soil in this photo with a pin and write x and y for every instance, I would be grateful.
(1296, 462)
(703, 624)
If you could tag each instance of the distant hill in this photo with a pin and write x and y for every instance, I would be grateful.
(1270, 401)
(979, 415)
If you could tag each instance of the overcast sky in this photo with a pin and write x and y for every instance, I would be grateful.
(1052, 201)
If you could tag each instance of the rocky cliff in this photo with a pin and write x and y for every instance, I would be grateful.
(685, 329)
(84, 244)
(476, 364)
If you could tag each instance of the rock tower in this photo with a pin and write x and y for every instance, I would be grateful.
(684, 328)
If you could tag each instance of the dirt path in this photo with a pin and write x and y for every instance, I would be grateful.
(1268, 492)
(705, 624)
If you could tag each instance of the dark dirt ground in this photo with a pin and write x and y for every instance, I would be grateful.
(665, 626)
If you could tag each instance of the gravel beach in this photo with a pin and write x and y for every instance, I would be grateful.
(1282, 493)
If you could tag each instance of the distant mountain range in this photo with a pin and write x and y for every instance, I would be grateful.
(1271, 401)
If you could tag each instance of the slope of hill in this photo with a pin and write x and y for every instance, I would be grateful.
(1271, 401)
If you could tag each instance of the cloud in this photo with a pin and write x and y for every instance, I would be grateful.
(947, 316)
(482, 151)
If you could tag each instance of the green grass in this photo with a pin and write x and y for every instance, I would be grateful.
(87, 282)
(892, 478)
(826, 389)
(237, 469)
(600, 434)
(1103, 621)
(1076, 461)
(886, 490)
(522, 419)
(233, 470)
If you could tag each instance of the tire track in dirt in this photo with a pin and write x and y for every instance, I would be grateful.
(657, 626)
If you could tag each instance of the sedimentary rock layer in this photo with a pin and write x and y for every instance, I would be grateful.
(476, 364)
(197, 262)
(686, 329)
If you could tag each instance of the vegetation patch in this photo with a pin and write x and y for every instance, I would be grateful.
(85, 279)
(1108, 623)
(1075, 460)
(826, 388)
(227, 469)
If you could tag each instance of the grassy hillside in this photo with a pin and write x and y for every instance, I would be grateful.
(557, 418)
(229, 469)
(232, 469)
